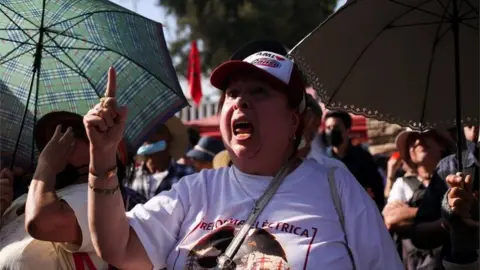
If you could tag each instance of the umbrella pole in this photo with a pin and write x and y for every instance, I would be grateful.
(458, 101)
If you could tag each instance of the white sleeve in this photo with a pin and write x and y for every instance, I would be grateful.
(371, 244)
(158, 222)
(77, 198)
(398, 191)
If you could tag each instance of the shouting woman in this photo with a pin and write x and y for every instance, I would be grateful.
(302, 226)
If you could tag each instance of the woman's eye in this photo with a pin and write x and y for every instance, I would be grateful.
(259, 91)
(232, 94)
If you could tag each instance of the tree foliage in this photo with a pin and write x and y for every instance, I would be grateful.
(225, 25)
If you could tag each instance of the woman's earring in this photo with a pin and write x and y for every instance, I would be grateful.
(294, 137)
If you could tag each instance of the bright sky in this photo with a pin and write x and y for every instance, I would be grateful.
(150, 9)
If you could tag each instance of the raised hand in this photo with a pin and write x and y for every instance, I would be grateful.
(461, 199)
(105, 123)
(54, 156)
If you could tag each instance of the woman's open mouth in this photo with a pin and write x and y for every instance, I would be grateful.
(242, 129)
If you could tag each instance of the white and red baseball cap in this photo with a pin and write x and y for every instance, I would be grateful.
(279, 71)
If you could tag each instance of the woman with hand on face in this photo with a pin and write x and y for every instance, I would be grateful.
(41, 229)
(191, 225)
(48, 228)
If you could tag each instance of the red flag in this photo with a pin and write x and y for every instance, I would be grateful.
(194, 74)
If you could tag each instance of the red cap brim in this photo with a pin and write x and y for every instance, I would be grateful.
(223, 74)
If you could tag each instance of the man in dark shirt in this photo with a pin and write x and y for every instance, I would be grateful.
(359, 161)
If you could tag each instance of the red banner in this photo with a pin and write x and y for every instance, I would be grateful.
(194, 74)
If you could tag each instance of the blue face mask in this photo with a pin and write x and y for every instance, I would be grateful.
(153, 148)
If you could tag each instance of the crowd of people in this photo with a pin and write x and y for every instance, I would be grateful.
(186, 202)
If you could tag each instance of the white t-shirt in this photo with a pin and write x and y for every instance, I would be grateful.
(19, 251)
(190, 225)
(400, 191)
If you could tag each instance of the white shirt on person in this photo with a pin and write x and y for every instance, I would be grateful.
(189, 226)
(19, 251)
(400, 191)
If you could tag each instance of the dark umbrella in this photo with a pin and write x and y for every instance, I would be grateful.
(410, 62)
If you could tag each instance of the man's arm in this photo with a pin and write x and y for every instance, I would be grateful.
(427, 235)
(398, 219)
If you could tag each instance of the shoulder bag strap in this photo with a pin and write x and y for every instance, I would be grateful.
(338, 208)
(225, 261)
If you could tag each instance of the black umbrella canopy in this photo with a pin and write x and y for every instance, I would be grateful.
(410, 62)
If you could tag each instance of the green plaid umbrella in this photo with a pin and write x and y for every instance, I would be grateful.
(55, 54)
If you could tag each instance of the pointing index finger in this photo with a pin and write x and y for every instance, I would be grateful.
(111, 83)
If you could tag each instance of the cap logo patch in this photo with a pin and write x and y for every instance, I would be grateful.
(266, 62)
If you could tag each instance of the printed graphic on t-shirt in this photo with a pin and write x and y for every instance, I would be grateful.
(260, 250)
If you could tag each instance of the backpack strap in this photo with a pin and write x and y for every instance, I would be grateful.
(338, 208)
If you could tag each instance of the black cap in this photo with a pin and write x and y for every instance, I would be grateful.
(258, 46)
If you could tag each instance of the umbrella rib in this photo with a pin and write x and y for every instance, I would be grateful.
(468, 25)
(416, 7)
(65, 30)
(471, 6)
(366, 48)
(81, 74)
(24, 29)
(444, 7)
(89, 14)
(468, 13)
(79, 71)
(16, 56)
(126, 57)
(430, 66)
(18, 41)
(86, 15)
(18, 26)
(76, 48)
(417, 24)
(18, 14)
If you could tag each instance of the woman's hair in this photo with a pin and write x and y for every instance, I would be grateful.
(342, 115)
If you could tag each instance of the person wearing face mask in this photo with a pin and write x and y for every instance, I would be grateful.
(47, 228)
(359, 161)
(158, 169)
(309, 146)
